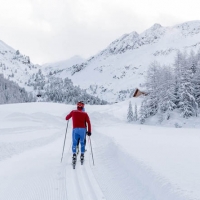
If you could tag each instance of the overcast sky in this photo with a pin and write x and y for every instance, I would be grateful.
(54, 30)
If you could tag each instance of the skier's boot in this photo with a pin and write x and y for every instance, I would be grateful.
(82, 158)
(74, 160)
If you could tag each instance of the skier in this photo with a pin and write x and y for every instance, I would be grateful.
(79, 119)
(83, 109)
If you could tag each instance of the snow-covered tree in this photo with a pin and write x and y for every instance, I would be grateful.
(59, 90)
(187, 102)
(130, 112)
(169, 89)
(196, 82)
(152, 87)
(143, 112)
(12, 93)
(167, 97)
(136, 113)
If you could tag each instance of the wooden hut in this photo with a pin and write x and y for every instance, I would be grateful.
(138, 93)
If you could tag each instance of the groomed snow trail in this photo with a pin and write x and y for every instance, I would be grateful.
(30, 166)
(80, 182)
(32, 174)
(30, 151)
(121, 176)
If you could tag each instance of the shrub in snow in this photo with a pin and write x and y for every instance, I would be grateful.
(177, 125)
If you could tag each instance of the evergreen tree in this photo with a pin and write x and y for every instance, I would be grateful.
(59, 90)
(167, 98)
(169, 89)
(130, 113)
(12, 93)
(180, 61)
(187, 101)
(143, 112)
(136, 113)
(196, 82)
(192, 62)
(153, 88)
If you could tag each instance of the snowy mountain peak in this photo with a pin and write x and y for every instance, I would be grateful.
(155, 26)
(16, 66)
(124, 38)
(64, 64)
(115, 72)
(121, 44)
(120, 68)
(5, 47)
(189, 28)
(133, 40)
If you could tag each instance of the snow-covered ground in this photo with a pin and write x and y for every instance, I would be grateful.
(132, 161)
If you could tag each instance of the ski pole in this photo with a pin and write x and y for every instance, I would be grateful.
(64, 140)
(91, 150)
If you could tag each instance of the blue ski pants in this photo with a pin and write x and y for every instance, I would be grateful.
(78, 133)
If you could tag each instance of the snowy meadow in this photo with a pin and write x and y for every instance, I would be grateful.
(131, 160)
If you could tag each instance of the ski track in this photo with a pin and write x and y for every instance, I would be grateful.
(41, 184)
(72, 185)
(7, 150)
(115, 176)
(121, 176)
(81, 185)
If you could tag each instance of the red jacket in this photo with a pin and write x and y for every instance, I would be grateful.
(79, 119)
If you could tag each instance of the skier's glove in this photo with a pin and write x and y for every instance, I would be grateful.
(88, 133)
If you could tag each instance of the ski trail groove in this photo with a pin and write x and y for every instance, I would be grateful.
(90, 187)
(123, 177)
(72, 183)
(80, 182)
(92, 182)
(84, 187)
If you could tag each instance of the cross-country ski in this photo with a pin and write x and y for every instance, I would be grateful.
(74, 161)
(82, 159)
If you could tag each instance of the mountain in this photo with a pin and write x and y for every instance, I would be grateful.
(115, 72)
(16, 66)
(57, 66)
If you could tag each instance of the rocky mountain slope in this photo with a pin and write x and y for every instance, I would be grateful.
(115, 72)
(16, 66)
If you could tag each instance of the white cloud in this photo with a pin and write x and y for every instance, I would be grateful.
(51, 30)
